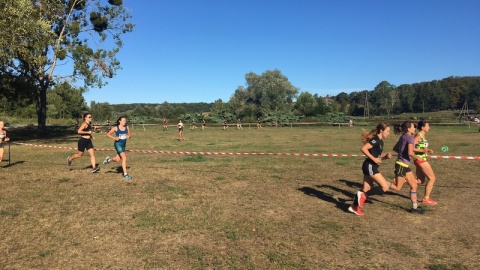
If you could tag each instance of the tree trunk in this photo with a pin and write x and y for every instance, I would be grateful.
(41, 106)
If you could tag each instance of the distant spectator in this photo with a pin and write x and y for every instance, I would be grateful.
(96, 127)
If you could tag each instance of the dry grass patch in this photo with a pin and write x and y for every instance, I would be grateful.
(232, 212)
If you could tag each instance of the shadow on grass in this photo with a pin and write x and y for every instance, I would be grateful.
(342, 203)
(325, 197)
(117, 170)
(30, 133)
(376, 190)
(13, 163)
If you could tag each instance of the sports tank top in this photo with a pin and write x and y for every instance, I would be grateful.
(122, 134)
(422, 144)
(87, 128)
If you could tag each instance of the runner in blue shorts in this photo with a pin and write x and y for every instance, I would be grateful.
(122, 133)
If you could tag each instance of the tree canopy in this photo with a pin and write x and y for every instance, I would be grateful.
(83, 36)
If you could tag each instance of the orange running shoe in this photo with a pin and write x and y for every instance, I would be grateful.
(429, 201)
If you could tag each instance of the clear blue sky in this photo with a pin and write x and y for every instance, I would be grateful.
(200, 51)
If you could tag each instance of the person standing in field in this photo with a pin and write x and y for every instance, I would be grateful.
(423, 168)
(405, 149)
(204, 124)
(180, 130)
(3, 139)
(122, 133)
(372, 148)
(165, 124)
(259, 123)
(85, 142)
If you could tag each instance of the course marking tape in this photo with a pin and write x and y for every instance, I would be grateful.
(238, 153)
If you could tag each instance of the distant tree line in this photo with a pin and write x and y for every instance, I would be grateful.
(269, 96)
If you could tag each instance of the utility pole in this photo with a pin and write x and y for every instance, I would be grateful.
(366, 112)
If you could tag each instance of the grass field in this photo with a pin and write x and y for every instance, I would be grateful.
(232, 212)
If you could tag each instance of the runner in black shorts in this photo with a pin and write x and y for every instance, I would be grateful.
(85, 142)
(372, 148)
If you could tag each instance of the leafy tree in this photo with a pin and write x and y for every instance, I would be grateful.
(306, 104)
(343, 101)
(384, 97)
(179, 111)
(67, 99)
(101, 111)
(139, 111)
(270, 91)
(83, 35)
(437, 97)
(14, 91)
(357, 103)
(165, 110)
(323, 105)
(407, 95)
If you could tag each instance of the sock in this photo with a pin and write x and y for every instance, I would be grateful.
(389, 185)
(413, 197)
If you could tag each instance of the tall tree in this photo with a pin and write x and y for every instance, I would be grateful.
(384, 96)
(67, 98)
(82, 35)
(407, 97)
(343, 101)
(306, 104)
(101, 111)
(270, 91)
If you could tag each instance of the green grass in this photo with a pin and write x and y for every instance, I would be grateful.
(231, 211)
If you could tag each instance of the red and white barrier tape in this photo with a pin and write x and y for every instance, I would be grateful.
(237, 153)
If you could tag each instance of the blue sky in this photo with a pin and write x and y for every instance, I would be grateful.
(200, 51)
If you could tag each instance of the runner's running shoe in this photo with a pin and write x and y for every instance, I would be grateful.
(429, 201)
(128, 177)
(417, 210)
(106, 161)
(361, 198)
(69, 162)
(356, 210)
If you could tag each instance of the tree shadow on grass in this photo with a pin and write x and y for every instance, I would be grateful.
(56, 134)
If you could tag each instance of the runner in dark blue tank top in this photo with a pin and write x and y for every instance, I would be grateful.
(122, 133)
